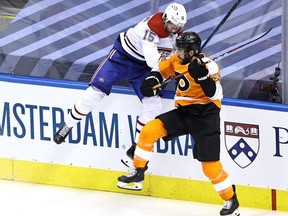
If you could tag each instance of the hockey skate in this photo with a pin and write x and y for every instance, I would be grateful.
(61, 134)
(127, 160)
(231, 206)
(133, 180)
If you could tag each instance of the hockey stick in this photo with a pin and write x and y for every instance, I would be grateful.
(236, 48)
(205, 43)
(215, 58)
(220, 24)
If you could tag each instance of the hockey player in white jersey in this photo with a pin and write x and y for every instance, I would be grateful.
(132, 57)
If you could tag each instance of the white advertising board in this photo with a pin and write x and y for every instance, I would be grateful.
(254, 147)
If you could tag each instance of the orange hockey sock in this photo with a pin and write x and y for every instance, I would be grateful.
(149, 134)
(219, 178)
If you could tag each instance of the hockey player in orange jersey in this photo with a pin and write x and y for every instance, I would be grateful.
(198, 101)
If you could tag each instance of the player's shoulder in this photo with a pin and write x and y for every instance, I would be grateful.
(156, 25)
(171, 60)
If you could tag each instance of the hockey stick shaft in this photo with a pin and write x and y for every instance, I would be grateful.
(206, 42)
(221, 23)
(245, 44)
(214, 59)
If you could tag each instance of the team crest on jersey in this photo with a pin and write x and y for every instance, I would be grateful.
(242, 142)
(101, 79)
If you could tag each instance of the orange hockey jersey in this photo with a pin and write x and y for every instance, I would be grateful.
(187, 90)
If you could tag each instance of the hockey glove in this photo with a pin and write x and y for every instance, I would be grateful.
(147, 86)
(198, 71)
(201, 76)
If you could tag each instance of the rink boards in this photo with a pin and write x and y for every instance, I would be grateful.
(254, 145)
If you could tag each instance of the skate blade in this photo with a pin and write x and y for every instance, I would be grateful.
(235, 213)
(127, 162)
(130, 186)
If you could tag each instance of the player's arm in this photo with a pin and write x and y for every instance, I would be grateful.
(207, 76)
(163, 70)
(149, 46)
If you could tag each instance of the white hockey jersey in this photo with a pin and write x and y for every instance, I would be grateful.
(148, 41)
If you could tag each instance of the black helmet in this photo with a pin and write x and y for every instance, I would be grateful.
(189, 41)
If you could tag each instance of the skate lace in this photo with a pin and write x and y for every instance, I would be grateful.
(227, 204)
(64, 130)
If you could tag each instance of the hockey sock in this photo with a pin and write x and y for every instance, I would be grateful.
(85, 104)
(219, 178)
(151, 107)
(74, 117)
(139, 127)
(152, 131)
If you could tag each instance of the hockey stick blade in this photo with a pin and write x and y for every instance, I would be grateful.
(214, 59)
(221, 23)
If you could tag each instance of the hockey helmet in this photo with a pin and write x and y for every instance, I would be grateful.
(189, 41)
(175, 13)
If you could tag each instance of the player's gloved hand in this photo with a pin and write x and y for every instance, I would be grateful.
(198, 71)
(147, 86)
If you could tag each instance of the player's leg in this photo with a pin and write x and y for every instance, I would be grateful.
(152, 131)
(108, 72)
(167, 126)
(151, 107)
(223, 186)
(86, 103)
(207, 150)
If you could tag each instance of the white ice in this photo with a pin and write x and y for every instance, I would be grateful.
(27, 199)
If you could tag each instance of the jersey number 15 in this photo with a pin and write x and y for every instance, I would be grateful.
(149, 36)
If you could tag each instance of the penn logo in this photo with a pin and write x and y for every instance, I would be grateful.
(242, 142)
